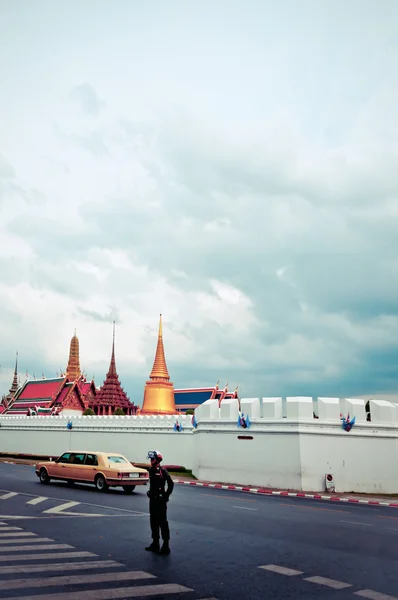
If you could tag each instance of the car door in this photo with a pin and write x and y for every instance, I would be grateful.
(77, 468)
(91, 467)
(58, 469)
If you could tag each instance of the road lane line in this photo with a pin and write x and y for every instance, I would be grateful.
(13, 517)
(30, 548)
(13, 534)
(245, 507)
(46, 556)
(374, 595)
(64, 566)
(127, 510)
(37, 500)
(332, 583)
(281, 570)
(73, 580)
(333, 510)
(19, 529)
(8, 496)
(357, 523)
(109, 594)
(233, 498)
(32, 540)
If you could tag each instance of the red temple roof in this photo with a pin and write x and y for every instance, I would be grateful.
(40, 390)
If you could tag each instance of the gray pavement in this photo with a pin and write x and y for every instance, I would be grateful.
(58, 542)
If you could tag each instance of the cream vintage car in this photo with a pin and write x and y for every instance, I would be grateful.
(103, 469)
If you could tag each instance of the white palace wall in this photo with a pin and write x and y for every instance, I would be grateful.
(285, 447)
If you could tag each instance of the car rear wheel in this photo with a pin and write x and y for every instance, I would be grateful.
(44, 478)
(100, 483)
(129, 489)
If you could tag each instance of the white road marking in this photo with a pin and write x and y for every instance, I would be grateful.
(245, 508)
(357, 523)
(332, 583)
(47, 555)
(37, 500)
(73, 580)
(64, 566)
(14, 534)
(13, 517)
(281, 570)
(125, 510)
(8, 496)
(62, 509)
(29, 540)
(10, 529)
(374, 595)
(29, 548)
(109, 594)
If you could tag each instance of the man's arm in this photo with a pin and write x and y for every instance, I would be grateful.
(170, 482)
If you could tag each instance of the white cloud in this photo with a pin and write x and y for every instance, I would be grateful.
(245, 187)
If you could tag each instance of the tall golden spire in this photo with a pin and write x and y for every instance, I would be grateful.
(73, 369)
(159, 391)
(159, 369)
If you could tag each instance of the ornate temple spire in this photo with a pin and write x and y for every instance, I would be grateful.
(112, 366)
(73, 369)
(111, 394)
(159, 369)
(14, 385)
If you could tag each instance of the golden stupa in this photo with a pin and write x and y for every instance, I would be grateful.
(159, 391)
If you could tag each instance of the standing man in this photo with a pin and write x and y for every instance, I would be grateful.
(158, 495)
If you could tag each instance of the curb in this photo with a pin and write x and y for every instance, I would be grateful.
(267, 492)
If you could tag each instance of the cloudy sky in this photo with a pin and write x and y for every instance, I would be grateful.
(231, 164)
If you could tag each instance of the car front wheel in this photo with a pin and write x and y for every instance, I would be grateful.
(44, 478)
(100, 483)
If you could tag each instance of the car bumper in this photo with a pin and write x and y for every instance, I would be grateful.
(138, 481)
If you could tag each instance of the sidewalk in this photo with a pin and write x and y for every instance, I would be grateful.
(370, 499)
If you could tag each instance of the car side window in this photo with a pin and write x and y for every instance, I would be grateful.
(91, 460)
(78, 459)
(65, 458)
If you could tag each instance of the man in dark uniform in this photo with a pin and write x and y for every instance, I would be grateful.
(158, 495)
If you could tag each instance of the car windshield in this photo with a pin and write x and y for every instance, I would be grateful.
(117, 459)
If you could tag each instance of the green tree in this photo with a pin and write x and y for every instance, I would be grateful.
(190, 411)
(89, 412)
(119, 412)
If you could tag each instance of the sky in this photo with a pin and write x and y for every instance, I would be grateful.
(229, 164)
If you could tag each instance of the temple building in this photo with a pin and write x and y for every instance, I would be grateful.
(73, 369)
(6, 400)
(70, 393)
(190, 398)
(161, 398)
(159, 391)
(112, 396)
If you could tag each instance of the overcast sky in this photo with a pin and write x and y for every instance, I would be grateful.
(233, 165)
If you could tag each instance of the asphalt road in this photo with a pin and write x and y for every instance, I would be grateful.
(220, 541)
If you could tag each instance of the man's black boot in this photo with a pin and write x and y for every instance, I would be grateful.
(165, 548)
(154, 547)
